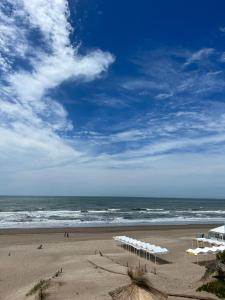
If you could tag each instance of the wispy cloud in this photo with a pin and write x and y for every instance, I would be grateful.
(188, 117)
(222, 57)
(164, 74)
(222, 29)
(198, 56)
(32, 123)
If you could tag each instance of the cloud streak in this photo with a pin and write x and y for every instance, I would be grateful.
(199, 55)
(33, 124)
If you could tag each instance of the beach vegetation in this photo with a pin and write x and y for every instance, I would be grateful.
(216, 272)
(140, 288)
(216, 287)
(41, 295)
(221, 257)
(39, 288)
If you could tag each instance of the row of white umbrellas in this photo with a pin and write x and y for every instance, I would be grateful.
(206, 250)
(210, 241)
(139, 245)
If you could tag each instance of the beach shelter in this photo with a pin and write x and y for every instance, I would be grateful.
(138, 246)
(205, 250)
(217, 233)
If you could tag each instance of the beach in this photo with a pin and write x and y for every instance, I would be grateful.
(89, 263)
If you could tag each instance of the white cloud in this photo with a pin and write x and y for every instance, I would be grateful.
(50, 17)
(162, 96)
(222, 57)
(30, 119)
(52, 70)
(143, 84)
(200, 55)
(222, 29)
(163, 74)
(162, 147)
(11, 38)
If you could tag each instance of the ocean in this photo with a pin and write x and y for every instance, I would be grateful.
(50, 212)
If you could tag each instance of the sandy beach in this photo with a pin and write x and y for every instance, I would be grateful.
(22, 265)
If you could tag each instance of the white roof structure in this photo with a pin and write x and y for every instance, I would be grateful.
(139, 245)
(206, 250)
(210, 241)
(220, 229)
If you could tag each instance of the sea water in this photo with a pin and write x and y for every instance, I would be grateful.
(50, 212)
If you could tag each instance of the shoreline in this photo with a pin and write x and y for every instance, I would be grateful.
(105, 229)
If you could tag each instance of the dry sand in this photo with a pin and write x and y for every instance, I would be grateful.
(77, 255)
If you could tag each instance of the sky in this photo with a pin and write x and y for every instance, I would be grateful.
(117, 98)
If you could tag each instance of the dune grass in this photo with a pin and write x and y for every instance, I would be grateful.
(216, 287)
(39, 288)
(216, 272)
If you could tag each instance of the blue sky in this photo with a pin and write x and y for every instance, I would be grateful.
(112, 98)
